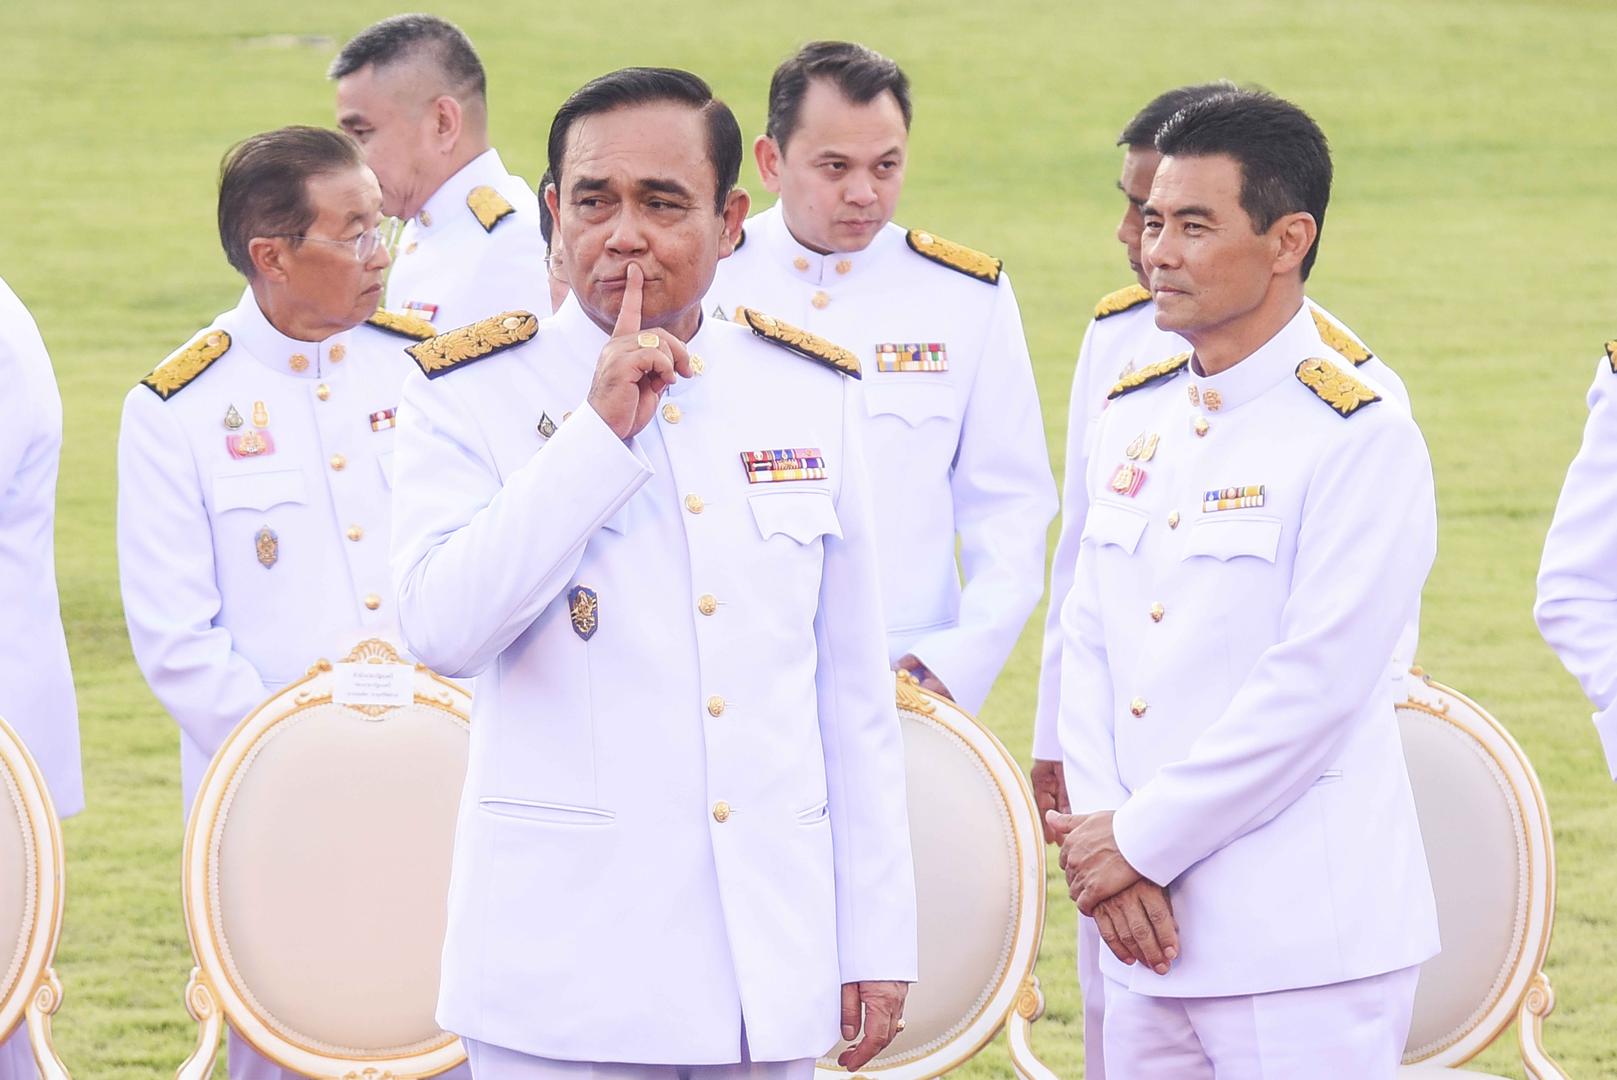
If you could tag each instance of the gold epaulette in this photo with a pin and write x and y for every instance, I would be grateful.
(1127, 298)
(184, 365)
(1611, 355)
(1334, 335)
(1151, 373)
(482, 338)
(801, 342)
(411, 326)
(968, 261)
(488, 206)
(1335, 387)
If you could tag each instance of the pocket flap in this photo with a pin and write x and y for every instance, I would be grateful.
(1115, 524)
(912, 402)
(1233, 537)
(258, 489)
(801, 515)
(550, 812)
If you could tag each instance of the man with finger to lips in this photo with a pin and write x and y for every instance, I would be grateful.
(683, 850)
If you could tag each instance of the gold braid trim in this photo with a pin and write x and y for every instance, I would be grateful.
(177, 372)
(488, 206)
(411, 326)
(968, 261)
(1151, 373)
(1338, 338)
(1335, 387)
(483, 338)
(1127, 298)
(801, 342)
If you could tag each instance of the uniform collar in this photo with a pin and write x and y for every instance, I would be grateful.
(276, 351)
(448, 203)
(809, 266)
(1274, 361)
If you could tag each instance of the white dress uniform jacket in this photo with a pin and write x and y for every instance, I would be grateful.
(474, 248)
(1577, 580)
(36, 684)
(1252, 548)
(254, 477)
(1122, 337)
(685, 801)
(953, 439)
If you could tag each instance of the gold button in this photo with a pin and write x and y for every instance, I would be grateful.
(336, 353)
(298, 362)
(323, 392)
(844, 265)
(924, 239)
(410, 250)
(1173, 519)
(1201, 426)
(426, 218)
(715, 706)
(373, 601)
(338, 462)
(1138, 706)
(1213, 400)
(1157, 612)
(721, 811)
(693, 503)
(707, 604)
(801, 263)
(215, 340)
(820, 300)
(671, 413)
(355, 532)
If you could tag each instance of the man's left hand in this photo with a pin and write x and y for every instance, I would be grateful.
(882, 1004)
(911, 663)
(1096, 870)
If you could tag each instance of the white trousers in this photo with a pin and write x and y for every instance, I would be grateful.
(248, 1064)
(17, 1057)
(1351, 1030)
(1092, 985)
(490, 1062)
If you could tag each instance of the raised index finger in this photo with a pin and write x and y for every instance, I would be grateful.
(629, 313)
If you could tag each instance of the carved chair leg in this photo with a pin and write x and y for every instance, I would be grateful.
(46, 999)
(203, 1006)
(1537, 1003)
(1029, 1006)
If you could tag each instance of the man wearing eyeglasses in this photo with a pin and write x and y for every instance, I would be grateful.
(254, 463)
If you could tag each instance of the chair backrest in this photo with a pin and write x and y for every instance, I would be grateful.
(31, 898)
(979, 869)
(1492, 858)
(316, 869)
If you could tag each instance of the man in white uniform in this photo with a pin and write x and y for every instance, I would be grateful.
(36, 683)
(1577, 580)
(1122, 336)
(412, 92)
(683, 851)
(1260, 521)
(254, 463)
(953, 440)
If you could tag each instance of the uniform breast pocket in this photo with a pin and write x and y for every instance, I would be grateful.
(915, 403)
(1229, 539)
(792, 527)
(1110, 524)
(259, 489)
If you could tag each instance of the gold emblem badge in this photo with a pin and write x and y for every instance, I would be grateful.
(232, 418)
(268, 546)
(584, 607)
(260, 415)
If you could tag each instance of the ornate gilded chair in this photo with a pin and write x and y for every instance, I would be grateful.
(30, 902)
(1488, 841)
(979, 870)
(316, 873)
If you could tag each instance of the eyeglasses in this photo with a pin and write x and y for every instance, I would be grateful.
(363, 246)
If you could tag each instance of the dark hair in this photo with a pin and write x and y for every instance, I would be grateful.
(1142, 130)
(405, 36)
(860, 74)
(649, 86)
(264, 185)
(546, 222)
(1284, 158)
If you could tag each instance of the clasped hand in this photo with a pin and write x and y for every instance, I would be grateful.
(1133, 915)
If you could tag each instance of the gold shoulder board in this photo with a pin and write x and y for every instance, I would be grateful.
(410, 326)
(183, 366)
(1338, 338)
(483, 338)
(1335, 387)
(801, 342)
(1151, 373)
(966, 260)
(1611, 355)
(1127, 298)
(488, 206)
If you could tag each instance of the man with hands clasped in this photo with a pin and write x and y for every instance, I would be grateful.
(683, 849)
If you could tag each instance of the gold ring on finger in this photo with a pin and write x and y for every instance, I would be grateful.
(900, 1025)
(648, 340)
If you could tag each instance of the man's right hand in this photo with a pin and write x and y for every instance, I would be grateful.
(1050, 792)
(1138, 924)
(633, 372)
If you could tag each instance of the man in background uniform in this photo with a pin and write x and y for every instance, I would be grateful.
(954, 441)
(36, 683)
(254, 464)
(412, 92)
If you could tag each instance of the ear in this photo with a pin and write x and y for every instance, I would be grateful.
(767, 153)
(736, 205)
(446, 118)
(1294, 235)
(268, 257)
(552, 199)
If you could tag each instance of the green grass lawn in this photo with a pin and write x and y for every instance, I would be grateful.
(1467, 244)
